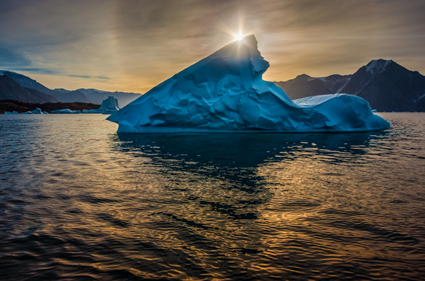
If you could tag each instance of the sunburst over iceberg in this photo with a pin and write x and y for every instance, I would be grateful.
(225, 92)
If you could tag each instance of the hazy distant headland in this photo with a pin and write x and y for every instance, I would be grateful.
(20, 107)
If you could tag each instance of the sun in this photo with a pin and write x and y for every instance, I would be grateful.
(238, 36)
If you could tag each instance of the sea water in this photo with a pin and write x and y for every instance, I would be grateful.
(79, 202)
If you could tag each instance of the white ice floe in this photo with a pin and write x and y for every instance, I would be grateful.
(65, 111)
(35, 111)
(225, 92)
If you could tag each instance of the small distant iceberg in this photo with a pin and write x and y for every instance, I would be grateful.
(108, 106)
(35, 111)
(65, 111)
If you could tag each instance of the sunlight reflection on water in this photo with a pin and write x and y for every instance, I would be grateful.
(79, 201)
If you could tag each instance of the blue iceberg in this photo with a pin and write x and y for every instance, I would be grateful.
(225, 92)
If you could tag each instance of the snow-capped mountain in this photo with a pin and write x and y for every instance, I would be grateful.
(386, 85)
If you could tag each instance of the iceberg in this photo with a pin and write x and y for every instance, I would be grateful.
(35, 111)
(65, 111)
(91, 111)
(108, 106)
(225, 92)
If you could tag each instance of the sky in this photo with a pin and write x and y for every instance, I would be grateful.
(133, 45)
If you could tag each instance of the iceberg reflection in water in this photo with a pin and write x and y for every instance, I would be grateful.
(224, 171)
(81, 202)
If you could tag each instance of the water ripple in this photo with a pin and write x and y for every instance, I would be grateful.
(78, 202)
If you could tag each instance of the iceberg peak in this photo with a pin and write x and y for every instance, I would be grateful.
(226, 92)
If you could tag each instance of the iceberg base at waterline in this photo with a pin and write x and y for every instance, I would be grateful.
(65, 111)
(225, 92)
(35, 111)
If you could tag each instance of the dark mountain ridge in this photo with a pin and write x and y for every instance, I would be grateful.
(385, 84)
(27, 82)
(11, 90)
(67, 96)
(20, 107)
(303, 85)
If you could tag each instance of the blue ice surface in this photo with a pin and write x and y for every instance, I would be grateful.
(225, 92)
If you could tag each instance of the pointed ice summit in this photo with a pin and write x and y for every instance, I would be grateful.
(225, 92)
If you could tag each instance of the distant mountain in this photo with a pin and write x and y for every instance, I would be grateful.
(74, 96)
(98, 96)
(304, 86)
(27, 82)
(386, 85)
(66, 96)
(11, 90)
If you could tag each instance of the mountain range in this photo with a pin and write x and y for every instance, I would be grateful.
(97, 96)
(12, 90)
(385, 84)
(15, 86)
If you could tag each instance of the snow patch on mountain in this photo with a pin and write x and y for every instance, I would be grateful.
(376, 66)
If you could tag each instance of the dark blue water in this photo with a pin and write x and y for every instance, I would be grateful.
(79, 202)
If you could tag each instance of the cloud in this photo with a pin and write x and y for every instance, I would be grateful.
(10, 58)
(36, 70)
(369, 37)
(15, 61)
(56, 72)
(90, 77)
(136, 44)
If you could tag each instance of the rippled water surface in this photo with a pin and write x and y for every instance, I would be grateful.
(79, 202)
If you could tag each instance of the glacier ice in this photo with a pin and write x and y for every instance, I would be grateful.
(108, 106)
(225, 92)
(91, 111)
(35, 111)
(65, 111)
